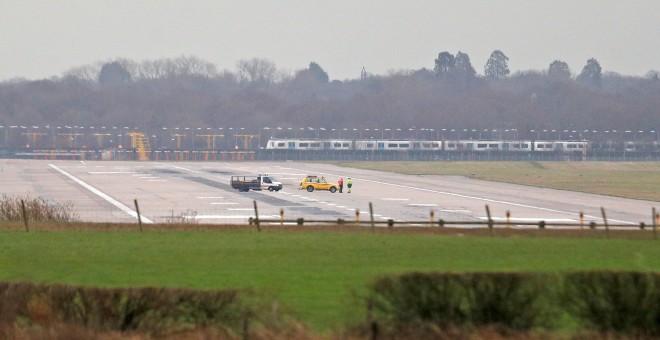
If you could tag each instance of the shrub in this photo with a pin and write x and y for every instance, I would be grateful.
(626, 302)
(37, 209)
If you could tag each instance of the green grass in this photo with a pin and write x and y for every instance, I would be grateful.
(316, 274)
(637, 180)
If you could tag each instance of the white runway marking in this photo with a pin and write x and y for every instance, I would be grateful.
(111, 200)
(208, 197)
(112, 172)
(225, 203)
(422, 205)
(484, 199)
(394, 199)
(240, 209)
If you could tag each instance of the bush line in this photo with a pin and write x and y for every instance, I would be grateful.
(606, 301)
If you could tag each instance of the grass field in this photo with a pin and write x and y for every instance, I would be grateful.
(637, 180)
(316, 274)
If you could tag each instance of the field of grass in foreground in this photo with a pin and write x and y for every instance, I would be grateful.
(637, 180)
(315, 274)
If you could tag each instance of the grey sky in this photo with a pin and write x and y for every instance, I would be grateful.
(40, 39)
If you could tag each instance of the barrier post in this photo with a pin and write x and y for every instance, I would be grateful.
(371, 213)
(581, 220)
(607, 227)
(432, 214)
(25, 219)
(357, 216)
(508, 218)
(137, 210)
(281, 216)
(656, 219)
(256, 216)
(490, 220)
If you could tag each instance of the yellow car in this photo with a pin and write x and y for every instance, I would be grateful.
(311, 183)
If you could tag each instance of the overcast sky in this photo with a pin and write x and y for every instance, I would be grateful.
(40, 39)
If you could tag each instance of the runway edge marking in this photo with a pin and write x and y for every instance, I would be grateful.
(110, 200)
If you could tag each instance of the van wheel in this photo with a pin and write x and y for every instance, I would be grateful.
(271, 188)
(333, 189)
(310, 188)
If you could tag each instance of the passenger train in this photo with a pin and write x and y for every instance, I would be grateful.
(428, 145)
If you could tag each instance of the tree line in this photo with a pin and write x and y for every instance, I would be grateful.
(190, 91)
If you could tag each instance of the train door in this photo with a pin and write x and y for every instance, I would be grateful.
(292, 145)
(381, 146)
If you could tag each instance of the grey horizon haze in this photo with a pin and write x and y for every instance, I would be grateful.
(41, 39)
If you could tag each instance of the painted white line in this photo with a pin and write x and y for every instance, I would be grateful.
(156, 180)
(240, 209)
(112, 172)
(149, 177)
(341, 206)
(456, 210)
(186, 169)
(479, 198)
(224, 203)
(422, 205)
(531, 219)
(394, 199)
(208, 197)
(111, 200)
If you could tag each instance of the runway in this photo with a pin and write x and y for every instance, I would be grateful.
(199, 192)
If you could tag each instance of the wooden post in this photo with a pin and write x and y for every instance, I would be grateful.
(371, 213)
(432, 214)
(581, 220)
(607, 227)
(656, 218)
(508, 218)
(256, 216)
(490, 220)
(25, 218)
(281, 216)
(137, 210)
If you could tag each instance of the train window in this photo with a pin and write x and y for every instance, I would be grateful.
(337, 145)
(416, 145)
(303, 145)
(525, 146)
(280, 144)
(392, 145)
(346, 145)
(548, 146)
(435, 145)
(370, 145)
(493, 146)
(571, 146)
(315, 145)
(482, 146)
(540, 146)
(404, 145)
(451, 145)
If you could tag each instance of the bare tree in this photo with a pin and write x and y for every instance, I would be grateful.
(256, 70)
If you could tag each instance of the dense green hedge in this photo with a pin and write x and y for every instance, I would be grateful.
(150, 310)
(621, 302)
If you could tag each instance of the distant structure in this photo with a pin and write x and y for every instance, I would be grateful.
(363, 74)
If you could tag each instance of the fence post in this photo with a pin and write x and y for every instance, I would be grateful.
(581, 220)
(357, 216)
(655, 218)
(25, 219)
(256, 215)
(371, 213)
(137, 210)
(508, 218)
(281, 216)
(607, 227)
(432, 214)
(490, 220)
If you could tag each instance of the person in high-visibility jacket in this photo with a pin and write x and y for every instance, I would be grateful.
(349, 184)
